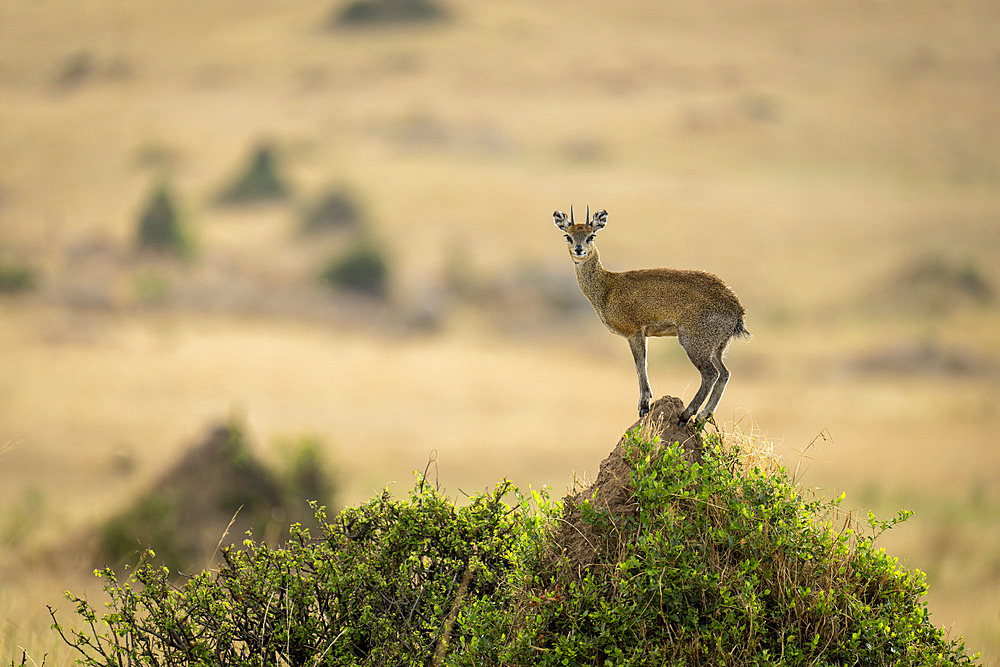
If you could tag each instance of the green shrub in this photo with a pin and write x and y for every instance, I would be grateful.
(260, 181)
(16, 277)
(305, 471)
(708, 563)
(335, 209)
(387, 12)
(75, 69)
(152, 519)
(362, 269)
(160, 228)
(378, 585)
(719, 564)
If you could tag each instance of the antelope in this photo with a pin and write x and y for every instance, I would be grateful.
(695, 306)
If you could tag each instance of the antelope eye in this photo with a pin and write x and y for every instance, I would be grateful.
(568, 238)
(590, 238)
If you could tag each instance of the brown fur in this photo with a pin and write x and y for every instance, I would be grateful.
(695, 306)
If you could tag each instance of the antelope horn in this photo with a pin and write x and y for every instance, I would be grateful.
(588, 215)
(571, 220)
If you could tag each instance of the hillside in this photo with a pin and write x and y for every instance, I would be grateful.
(687, 549)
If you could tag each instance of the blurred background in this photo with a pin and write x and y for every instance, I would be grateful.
(301, 249)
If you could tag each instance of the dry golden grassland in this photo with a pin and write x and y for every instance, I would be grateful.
(827, 159)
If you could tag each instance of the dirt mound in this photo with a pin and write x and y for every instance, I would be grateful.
(611, 494)
(183, 517)
(185, 514)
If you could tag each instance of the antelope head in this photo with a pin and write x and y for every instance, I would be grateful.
(580, 236)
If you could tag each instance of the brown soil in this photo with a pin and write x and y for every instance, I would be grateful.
(611, 493)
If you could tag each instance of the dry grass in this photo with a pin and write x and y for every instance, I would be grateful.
(755, 449)
(805, 154)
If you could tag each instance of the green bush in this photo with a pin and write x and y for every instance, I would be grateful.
(150, 520)
(379, 585)
(15, 277)
(387, 12)
(260, 181)
(160, 227)
(305, 471)
(75, 69)
(719, 564)
(362, 269)
(709, 563)
(335, 209)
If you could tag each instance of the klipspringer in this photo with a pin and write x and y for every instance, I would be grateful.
(695, 306)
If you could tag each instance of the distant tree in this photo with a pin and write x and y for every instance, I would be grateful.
(335, 209)
(362, 13)
(160, 226)
(259, 182)
(362, 269)
(16, 277)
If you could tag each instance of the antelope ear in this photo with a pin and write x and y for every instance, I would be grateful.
(562, 222)
(600, 219)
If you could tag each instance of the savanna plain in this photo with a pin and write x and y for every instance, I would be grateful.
(836, 163)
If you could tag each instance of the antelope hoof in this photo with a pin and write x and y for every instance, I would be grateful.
(643, 411)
